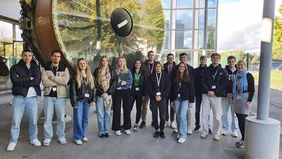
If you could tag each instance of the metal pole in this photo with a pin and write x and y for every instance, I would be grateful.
(265, 60)
(247, 62)
(205, 24)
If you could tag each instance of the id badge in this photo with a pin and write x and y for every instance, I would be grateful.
(213, 87)
(86, 95)
(54, 89)
(178, 95)
(136, 88)
(119, 88)
(238, 97)
(158, 93)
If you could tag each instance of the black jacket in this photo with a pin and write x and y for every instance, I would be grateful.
(166, 68)
(99, 89)
(221, 80)
(198, 76)
(78, 94)
(146, 68)
(187, 90)
(231, 76)
(152, 85)
(20, 77)
(142, 85)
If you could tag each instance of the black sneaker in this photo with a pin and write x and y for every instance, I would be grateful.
(142, 125)
(135, 128)
(210, 132)
(197, 129)
(240, 144)
(102, 135)
(162, 135)
(156, 134)
(107, 135)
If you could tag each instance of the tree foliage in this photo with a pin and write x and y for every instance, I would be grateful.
(277, 37)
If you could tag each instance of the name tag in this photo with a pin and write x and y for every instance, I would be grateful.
(119, 88)
(54, 89)
(86, 95)
(136, 88)
(178, 95)
(158, 93)
(213, 87)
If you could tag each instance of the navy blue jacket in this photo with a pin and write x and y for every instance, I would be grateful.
(152, 85)
(20, 77)
(198, 76)
(221, 80)
(190, 70)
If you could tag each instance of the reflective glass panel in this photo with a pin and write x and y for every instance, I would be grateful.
(166, 3)
(211, 39)
(184, 3)
(211, 18)
(201, 39)
(83, 29)
(183, 39)
(184, 19)
(201, 18)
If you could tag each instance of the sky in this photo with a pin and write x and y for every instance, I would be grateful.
(239, 24)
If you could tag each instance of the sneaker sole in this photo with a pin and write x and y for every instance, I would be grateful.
(46, 144)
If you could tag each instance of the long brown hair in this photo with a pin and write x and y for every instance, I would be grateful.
(125, 69)
(100, 67)
(185, 77)
(88, 74)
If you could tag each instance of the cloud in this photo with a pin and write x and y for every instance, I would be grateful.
(239, 25)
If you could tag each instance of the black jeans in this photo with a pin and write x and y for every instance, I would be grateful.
(171, 113)
(241, 122)
(162, 109)
(198, 110)
(125, 95)
(138, 98)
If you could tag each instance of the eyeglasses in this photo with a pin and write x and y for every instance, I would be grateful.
(230, 61)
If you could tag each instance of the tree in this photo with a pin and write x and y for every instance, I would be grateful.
(277, 37)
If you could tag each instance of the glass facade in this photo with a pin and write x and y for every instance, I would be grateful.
(186, 28)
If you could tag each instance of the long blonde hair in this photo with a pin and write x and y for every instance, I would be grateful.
(79, 75)
(100, 67)
(125, 69)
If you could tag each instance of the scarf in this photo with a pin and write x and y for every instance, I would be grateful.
(105, 79)
(240, 83)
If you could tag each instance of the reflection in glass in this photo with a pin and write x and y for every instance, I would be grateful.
(184, 19)
(212, 3)
(211, 18)
(6, 30)
(166, 3)
(189, 56)
(183, 39)
(201, 18)
(202, 3)
(201, 39)
(167, 40)
(184, 3)
(83, 29)
(211, 39)
(167, 19)
(18, 33)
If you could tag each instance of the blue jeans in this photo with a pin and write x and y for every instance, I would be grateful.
(103, 116)
(226, 104)
(80, 120)
(20, 104)
(59, 104)
(181, 108)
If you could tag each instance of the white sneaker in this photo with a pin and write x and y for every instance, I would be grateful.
(181, 140)
(235, 134)
(85, 139)
(11, 146)
(78, 142)
(204, 135)
(189, 131)
(35, 142)
(62, 140)
(167, 124)
(173, 125)
(127, 132)
(175, 130)
(46, 142)
(216, 137)
(224, 133)
(118, 133)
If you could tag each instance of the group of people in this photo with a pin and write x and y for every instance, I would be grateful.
(147, 83)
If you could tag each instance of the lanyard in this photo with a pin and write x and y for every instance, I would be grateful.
(213, 76)
(159, 79)
(151, 68)
(137, 77)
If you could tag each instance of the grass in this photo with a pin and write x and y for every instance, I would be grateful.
(275, 79)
